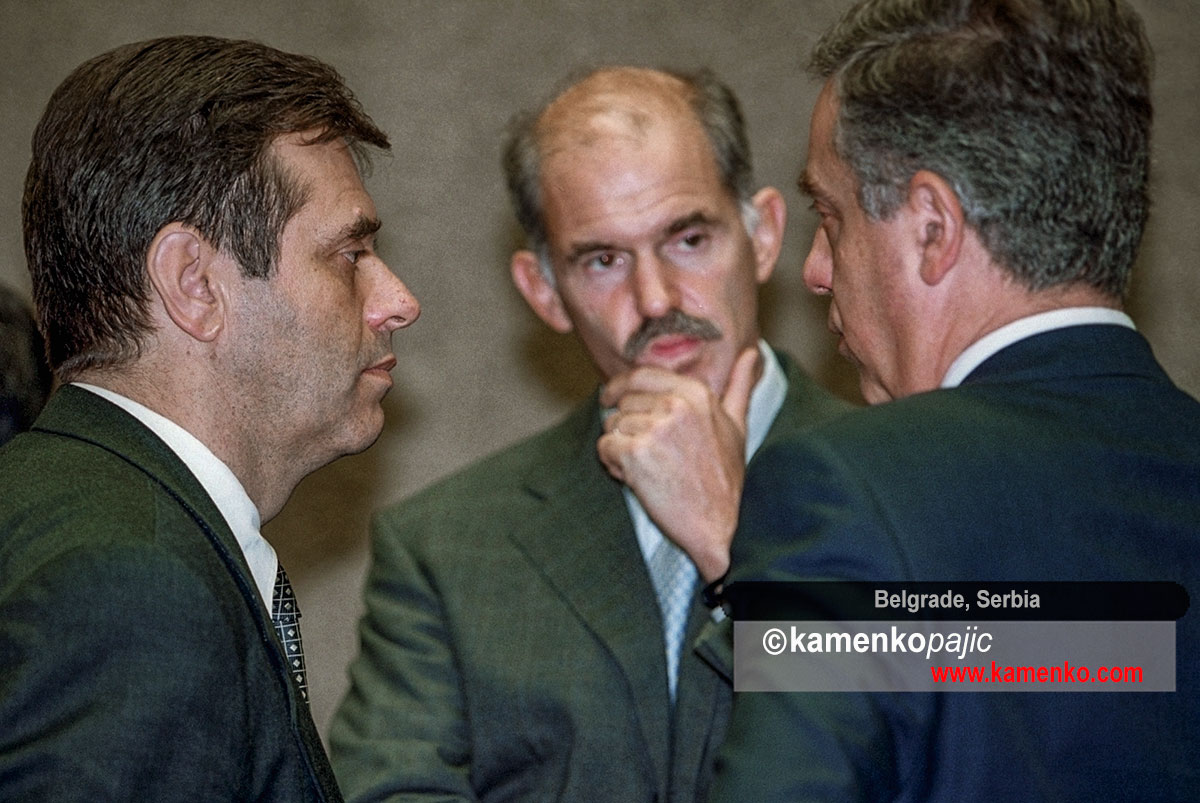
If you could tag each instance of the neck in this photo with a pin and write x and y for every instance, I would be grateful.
(1026, 303)
(212, 417)
(971, 313)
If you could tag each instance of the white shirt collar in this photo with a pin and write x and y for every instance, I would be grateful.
(218, 480)
(765, 400)
(991, 343)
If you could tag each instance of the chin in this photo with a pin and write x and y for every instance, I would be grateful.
(718, 385)
(873, 392)
(364, 435)
(713, 377)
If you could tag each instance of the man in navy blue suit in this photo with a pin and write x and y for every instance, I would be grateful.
(980, 171)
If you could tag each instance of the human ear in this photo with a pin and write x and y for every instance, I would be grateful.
(938, 224)
(180, 266)
(767, 236)
(538, 291)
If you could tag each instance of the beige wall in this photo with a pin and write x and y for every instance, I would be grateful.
(442, 77)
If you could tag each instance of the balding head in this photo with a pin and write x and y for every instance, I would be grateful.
(622, 103)
(615, 105)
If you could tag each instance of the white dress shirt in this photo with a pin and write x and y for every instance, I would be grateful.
(218, 481)
(974, 355)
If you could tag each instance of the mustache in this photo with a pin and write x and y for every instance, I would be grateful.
(675, 322)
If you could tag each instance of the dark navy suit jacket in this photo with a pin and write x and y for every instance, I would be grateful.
(1066, 456)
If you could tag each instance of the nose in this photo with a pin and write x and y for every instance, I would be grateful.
(390, 305)
(654, 287)
(818, 265)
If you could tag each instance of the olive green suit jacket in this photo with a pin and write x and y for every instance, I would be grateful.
(512, 646)
(137, 661)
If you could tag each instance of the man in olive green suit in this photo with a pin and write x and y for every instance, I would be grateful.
(519, 642)
(201, 249)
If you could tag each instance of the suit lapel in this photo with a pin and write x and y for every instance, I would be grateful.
(582, 541)
(599, 572)
(806, 403)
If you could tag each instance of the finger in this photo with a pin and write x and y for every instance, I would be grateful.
(629, 424)
(640, 402)
(619, 423)
(645, 379)
(609, 453)
(736, 401)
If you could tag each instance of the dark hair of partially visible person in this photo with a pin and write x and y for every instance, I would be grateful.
(25, 378)
(167, 130)
(715, 106)
(1038, 112)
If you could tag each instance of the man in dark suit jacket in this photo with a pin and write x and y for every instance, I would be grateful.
(514, 647)
(980, 170)
(200, 244)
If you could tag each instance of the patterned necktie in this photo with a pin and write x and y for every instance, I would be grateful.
(285, 613)
(674, 579)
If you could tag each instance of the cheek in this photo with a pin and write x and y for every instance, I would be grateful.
(856, 281)
(743, 296)
(604, 322)
(721, 295)
(601, 335)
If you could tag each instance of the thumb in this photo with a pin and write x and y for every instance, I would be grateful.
(736, 400)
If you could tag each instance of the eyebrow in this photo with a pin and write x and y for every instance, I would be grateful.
(696, 218)
(807, 186)
(362, 226)
(579, 249)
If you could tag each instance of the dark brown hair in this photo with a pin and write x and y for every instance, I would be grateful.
(167, 130)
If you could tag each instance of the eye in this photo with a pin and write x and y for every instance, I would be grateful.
(823, 210)
(828, 218)
(689, 244)
(603, 261)
(353, 256)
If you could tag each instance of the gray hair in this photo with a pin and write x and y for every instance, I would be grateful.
(1037, 112)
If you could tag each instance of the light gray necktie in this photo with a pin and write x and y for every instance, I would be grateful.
(674, 579)
(285, 613)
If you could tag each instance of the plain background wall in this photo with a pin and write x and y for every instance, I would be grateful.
(442, 77)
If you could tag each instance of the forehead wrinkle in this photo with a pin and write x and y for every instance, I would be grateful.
(597, 125)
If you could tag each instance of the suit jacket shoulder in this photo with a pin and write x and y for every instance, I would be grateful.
(541, 465)
(806, 405)
(126, 609)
